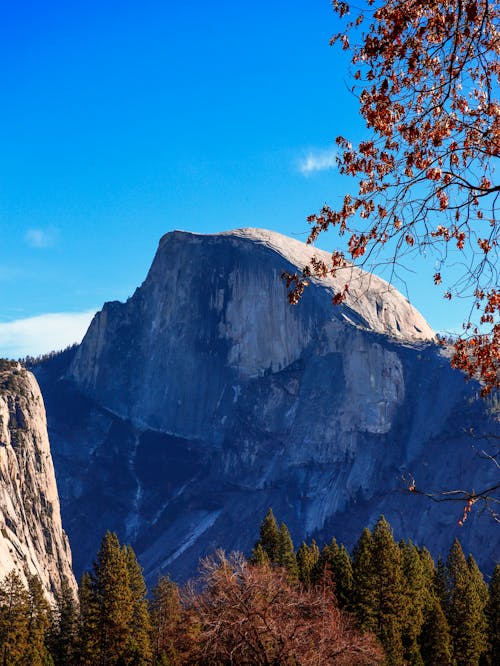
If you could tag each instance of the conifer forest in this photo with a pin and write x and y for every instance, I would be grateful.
(384, 603)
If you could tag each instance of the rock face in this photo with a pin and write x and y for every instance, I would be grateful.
(32, 540)
(206, 398)
(211, 316)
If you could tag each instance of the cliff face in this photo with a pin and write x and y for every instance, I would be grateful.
(211, 316)
(205, 398)
(31, 536)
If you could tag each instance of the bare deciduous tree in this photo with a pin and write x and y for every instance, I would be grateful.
(251, 615)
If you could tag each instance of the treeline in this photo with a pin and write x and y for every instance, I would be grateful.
(60, 355)
(388, 603)
(422, 613)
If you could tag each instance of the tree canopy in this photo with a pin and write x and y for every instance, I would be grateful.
(388, 603)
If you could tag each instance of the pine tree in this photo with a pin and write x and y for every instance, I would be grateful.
(107, 608)
(64, 626)
(478, 580)
(269, 537)
(14, 619)
(428, 574)
(342, 575)
(466, 609)
(139, 649)
(414, 600)
(493, 616)
(36, 653)
(286, 553)
(166, 616)
(114, 599)
(364, 583)
(482, 591)
(378, 586)
(435, 640)
(307, 560)
(87, 647)
(441, 587)
(259, 555)
(335, 559)
(389, 601)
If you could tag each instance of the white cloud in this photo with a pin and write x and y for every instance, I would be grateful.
(38, 335)
(318, 160)
(40, 238)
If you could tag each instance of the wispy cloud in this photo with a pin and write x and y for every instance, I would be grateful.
(318, 160)
(41, 238)
(44, 333)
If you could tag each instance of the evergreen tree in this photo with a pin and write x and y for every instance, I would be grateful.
(493, 616)
(64, 626)
(342, 575)
(107, 608)
(482, 591)
(435, 640)
(139, 649)
(307, 560)
(441, 586)
(378, 586)
(14, 619)
(114, 600)
(429, 575)
(414, 601)
(114, 615)
(389, 602)
(335, 559)
(478, 581)
(364, 584)
(88, 629)
(259, 555)
(269, 537)
(466, 609)
(286, 553)
(36, 653)
(166, 616)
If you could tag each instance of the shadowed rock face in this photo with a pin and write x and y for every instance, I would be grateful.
(32, 540)
(205, 398)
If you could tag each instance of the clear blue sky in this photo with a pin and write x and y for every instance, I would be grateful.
(121, 121)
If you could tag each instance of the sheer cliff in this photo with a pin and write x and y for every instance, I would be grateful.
(32, 540)
(206, 398)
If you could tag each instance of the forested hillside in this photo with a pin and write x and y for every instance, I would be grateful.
(386, 603)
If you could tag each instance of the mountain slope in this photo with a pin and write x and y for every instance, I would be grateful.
(206, 398)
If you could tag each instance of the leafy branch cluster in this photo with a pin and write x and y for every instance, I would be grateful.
(426, 75)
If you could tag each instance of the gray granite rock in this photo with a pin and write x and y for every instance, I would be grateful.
(206, 398)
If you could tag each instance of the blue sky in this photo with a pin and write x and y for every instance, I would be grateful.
(124, 120)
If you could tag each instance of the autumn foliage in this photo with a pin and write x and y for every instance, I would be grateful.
(426, 74)
(253, 615)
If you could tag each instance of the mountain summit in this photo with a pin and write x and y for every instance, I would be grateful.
(213, 312)
(206, 398)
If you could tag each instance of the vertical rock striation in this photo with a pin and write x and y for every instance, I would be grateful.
(32, 540)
